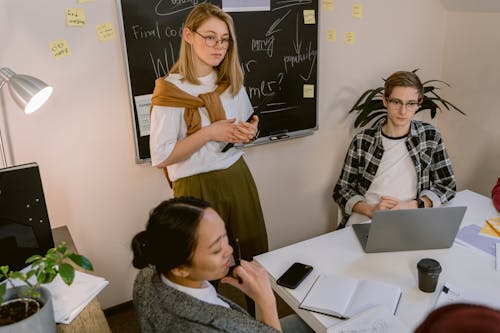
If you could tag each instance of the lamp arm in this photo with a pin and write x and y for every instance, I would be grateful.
(4, 158)
(2, 145)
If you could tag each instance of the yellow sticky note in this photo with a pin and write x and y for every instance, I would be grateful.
(59, 49)
(84, 1)
(308, 90)
(309, 16)
(75, 17)
(357, 10)
(487, 230)
(349, 38)
(328, 5)
(331, 35)
(105, 31)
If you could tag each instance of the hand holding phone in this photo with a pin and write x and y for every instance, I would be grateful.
(294, 275)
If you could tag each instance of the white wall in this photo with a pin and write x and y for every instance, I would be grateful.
(83, 138)
(472, 66)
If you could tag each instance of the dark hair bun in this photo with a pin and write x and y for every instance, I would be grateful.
(140, 249)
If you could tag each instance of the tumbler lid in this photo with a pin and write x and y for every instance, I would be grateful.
(429, 265)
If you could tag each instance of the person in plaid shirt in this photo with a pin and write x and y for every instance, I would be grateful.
(401, 163)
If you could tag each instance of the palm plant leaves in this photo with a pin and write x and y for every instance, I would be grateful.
(370, 108)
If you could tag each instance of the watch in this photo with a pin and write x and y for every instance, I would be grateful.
(420, 203)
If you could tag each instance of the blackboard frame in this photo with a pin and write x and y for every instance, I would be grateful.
(278, 56)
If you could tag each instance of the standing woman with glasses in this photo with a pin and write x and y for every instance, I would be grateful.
(401, 163)
(196, 109)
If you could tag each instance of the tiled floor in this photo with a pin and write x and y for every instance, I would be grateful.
(122, 318)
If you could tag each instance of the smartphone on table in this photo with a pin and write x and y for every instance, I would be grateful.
(294, 275)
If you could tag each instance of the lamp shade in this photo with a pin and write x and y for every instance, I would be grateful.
(29, 92)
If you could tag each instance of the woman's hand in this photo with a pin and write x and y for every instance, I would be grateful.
(227, 131)
(255, 283)
(249, 129)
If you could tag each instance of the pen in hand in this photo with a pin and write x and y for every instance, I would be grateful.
(237, 258)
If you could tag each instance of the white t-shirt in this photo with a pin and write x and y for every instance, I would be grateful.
(206, 293)
(396, 176)
(168, 127)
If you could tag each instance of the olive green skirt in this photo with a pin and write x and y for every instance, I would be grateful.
(233, 194)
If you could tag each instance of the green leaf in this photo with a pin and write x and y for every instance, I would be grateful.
(43, 277)
(377, 116)
(51, 258)
(67, 273)
(4, 269)
(18, 276)
(428, 89)
(356, 105)
(81, 261)
(372, 106)
(3, 290)
(30, 273)
(33, 258)
(430, 81)
(62, 247)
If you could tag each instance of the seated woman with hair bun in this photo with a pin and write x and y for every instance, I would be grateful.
(184, 246)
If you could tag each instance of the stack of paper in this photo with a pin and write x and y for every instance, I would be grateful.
(69, 301)
(470, 236)
(375, 319)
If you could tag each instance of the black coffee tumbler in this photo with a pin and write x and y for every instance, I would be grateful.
(428, 274)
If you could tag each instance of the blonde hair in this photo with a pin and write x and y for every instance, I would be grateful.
(229, 70)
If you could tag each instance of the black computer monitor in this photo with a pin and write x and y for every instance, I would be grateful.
(24, 221)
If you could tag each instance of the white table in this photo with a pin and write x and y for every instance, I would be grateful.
(339, 252)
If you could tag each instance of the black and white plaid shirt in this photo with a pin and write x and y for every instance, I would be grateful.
(436, 179)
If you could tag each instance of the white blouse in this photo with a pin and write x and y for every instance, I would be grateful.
(206, 293)
(168, 127)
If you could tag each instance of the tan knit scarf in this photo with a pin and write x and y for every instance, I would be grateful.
(168, 94)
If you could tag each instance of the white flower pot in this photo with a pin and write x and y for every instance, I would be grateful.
(40, 322)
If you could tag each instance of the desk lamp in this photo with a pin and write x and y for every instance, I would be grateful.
(29, 93)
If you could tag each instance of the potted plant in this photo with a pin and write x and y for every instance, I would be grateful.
(26, 306)
(370, 106)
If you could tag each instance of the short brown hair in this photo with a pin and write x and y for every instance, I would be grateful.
(229, 70)
(403, 79)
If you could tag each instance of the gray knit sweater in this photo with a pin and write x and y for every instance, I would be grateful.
(161, 308)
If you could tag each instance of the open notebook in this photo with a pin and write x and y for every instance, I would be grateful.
(344, 297)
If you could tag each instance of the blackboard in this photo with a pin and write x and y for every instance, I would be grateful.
(278, 53)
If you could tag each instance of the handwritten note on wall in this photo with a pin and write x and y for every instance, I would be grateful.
(328, 5)
(357, 11)
(105, 32)
(331, 35)
(75, 17)
(60, 48)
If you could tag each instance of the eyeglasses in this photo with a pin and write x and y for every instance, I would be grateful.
(397, 103)
(211, 40)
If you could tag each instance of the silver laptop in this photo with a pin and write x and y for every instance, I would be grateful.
(410, 229)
